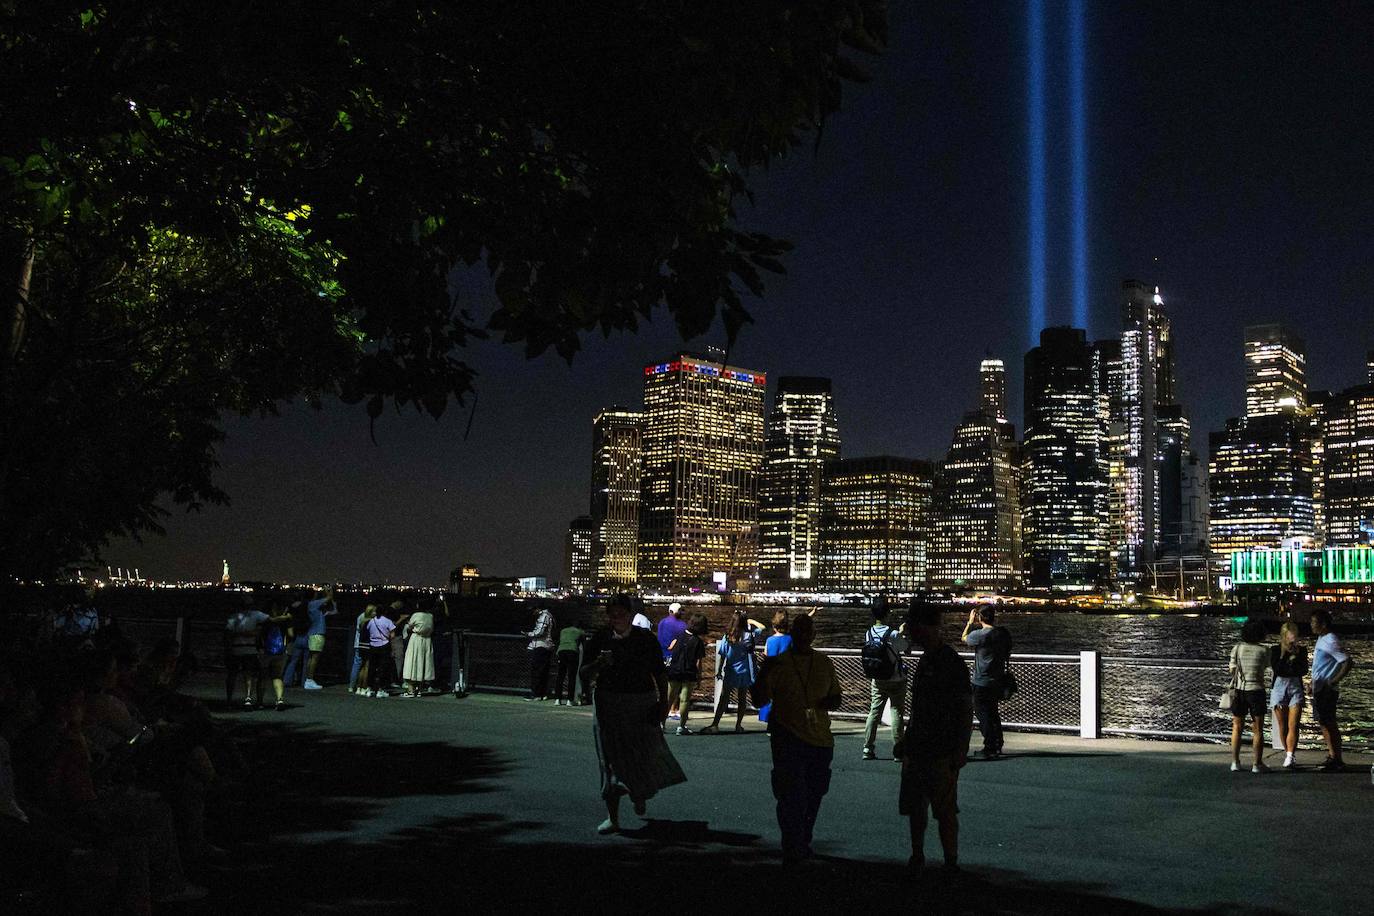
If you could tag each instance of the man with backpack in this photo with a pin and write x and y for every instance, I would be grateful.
(882, 662)
(991, 649)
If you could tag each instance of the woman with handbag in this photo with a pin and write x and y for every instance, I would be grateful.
(1248, 661)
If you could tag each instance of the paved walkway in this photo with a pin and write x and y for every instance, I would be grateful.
(489, 803)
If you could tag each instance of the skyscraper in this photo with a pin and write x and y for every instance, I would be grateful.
(1064, 530)
(992, 378)
(1348, 467)
(802, 435)
(1260, 483)
(616, 440)
(1275, 370)
(702, 453)
(875, 520)
(577, 554)
(1108, 384)
(975, 525)
(1261, 469)
(1147, 367)
(1369, 367)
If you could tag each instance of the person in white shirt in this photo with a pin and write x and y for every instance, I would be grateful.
(540, 647)
(1329, 665)
(243, 632)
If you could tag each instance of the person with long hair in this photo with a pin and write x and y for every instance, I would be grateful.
(1248, 661)
(357, 677)
(735, 669)
(1288, 660)
(418, 667)
(630, 704)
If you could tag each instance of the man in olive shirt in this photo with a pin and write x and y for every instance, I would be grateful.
(935, 746)
(802, 687)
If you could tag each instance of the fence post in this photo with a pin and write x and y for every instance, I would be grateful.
(181, 632)
(1089, 695)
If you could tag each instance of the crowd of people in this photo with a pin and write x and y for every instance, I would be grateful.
(640, 677)
(107, 769)
(1287, 661)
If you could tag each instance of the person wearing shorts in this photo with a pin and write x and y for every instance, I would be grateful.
(684, 668)
(934, 745)
(242, 633)
(318, 610)
(1249, 659)
(1288, 661)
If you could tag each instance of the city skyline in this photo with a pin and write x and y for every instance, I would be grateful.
(910, 266)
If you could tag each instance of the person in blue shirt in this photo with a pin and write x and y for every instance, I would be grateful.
(778, 643)
(1329, 665)
(735, 670)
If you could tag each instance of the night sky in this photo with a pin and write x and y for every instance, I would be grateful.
(1230, 162)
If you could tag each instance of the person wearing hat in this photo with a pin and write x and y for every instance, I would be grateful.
(670, 629)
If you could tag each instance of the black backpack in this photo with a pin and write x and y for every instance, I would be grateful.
(878, 658)
(681, 663)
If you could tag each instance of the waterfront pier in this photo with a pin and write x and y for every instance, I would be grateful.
(488, 804)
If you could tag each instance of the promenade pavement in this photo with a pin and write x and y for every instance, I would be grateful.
(489, 803)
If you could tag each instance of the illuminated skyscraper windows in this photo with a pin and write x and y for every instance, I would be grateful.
(875, 520)
(617, 437)
(802, 435)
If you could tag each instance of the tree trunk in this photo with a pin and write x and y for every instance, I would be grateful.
(18, 307)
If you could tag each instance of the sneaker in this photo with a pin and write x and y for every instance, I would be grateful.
(281, 706)
(372, 693)
(1235, 767)
(869, 755)
(530, 699)
(1261, 767)
(684, 730)
(1332, 766)
(1288, 762)
(607, 827)
(311, 685)
(383, 695)
(248, 703)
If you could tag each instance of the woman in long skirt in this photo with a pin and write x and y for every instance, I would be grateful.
(419, 664)
(630, 703)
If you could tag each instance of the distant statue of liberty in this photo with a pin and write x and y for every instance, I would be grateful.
(224, 577)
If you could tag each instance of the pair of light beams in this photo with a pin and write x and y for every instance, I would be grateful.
(1036, 165)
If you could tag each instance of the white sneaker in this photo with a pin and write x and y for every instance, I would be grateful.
(383, 695)
(1261, 767)
(1289, 762)
(1235, 768)
(371, 693)
(311, 685)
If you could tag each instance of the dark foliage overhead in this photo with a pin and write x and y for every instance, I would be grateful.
(221, 207)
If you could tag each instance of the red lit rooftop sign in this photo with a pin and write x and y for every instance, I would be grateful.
(686, 365)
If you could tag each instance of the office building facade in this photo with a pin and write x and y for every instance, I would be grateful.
(1347, 469)
(802, 435)
(1147, 383)
(617, 440)
(578, 568)
(1275, 371)
(1260, 483)
(975, 527)
(875, 516)
(1064, 528)
(702, 451)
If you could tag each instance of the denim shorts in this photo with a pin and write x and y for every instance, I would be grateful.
(1287, 692)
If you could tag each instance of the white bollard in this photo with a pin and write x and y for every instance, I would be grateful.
(1089, 695)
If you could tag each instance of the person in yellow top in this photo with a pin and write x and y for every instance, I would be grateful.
(802, 686)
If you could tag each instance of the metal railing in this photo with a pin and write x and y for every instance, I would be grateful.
(1088, 693)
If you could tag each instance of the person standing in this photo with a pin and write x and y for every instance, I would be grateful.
(934, 747)
(357, 677)
(776, 644)
(684, 668)
(882, 661)
(540, 649)
(1330, 664)
(399, 616)
(569, 651)
(991, 650)
(380, 632)
(318, 610)
(630, 704)
(1248, 661)
(670, 629)
(801, 689)
(419, 661)
(242, 632)
(299, 650)
(735, 670)
(1288, 661)
(276, 636)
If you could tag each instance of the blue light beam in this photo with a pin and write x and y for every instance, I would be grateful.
(1078, 166)
(1035, 104)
